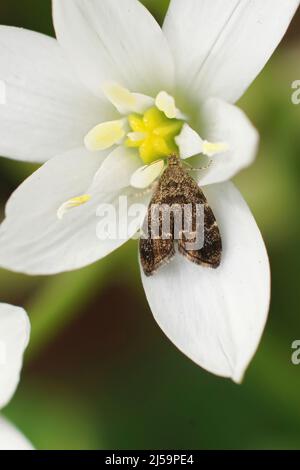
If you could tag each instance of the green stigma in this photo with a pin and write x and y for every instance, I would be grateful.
(153, 134)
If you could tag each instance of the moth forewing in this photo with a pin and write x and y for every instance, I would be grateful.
(179, 214)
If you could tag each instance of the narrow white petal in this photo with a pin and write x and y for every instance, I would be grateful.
(11, 438)
(32, 238)
(221, 46)
(229, 124)
(109, 40)
(14, 337)
(146, 175)
(46, 110)
(216, 317)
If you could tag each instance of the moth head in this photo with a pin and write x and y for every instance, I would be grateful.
(173, 159)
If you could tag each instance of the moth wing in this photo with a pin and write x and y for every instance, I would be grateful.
(189, 195)
(178, 188)
(155, 249)
(211, 251)
(155, 253)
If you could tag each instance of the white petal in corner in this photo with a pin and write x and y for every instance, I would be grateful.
(32, 238)
(46, 111)
(11, 438)
(116, 171)
(229, 124)
(216, 317)
(14, 337)
(228, 42)
(109, 40)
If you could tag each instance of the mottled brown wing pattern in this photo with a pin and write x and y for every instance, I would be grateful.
(155, 253)
(210, 254)
(176, 187)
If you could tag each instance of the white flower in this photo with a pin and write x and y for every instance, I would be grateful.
(14, 337)
(114, 93)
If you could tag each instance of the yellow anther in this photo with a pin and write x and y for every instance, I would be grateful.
(212, 148)
(125, 101)
(71, 203)
(166, 104)
(144, 176)
(105, 135)
(120, 97)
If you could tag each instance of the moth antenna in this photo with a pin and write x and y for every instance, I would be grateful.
(191, 168)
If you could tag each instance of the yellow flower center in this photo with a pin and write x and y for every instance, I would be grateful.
(153, 134)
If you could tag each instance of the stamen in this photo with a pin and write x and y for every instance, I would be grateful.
(125, 101)
(213, 148)
(120, 97)
(145, 175)
(71, 203)
(105, 135)
(166, 104)
(190, 143)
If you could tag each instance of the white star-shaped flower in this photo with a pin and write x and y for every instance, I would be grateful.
(14, 337)
(103, 105)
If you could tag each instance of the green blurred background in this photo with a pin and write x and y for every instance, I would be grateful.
(99, 373)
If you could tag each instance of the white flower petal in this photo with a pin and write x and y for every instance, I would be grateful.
(11, 438)
(116, 170)
(14, 337)
(109, 40)
(189, 142)
(147, 174)
(32, 238)
(221, 46)
(229, 124)
(46, 111)
(216, 317)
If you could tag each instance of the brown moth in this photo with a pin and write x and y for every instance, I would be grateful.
(177, 189)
